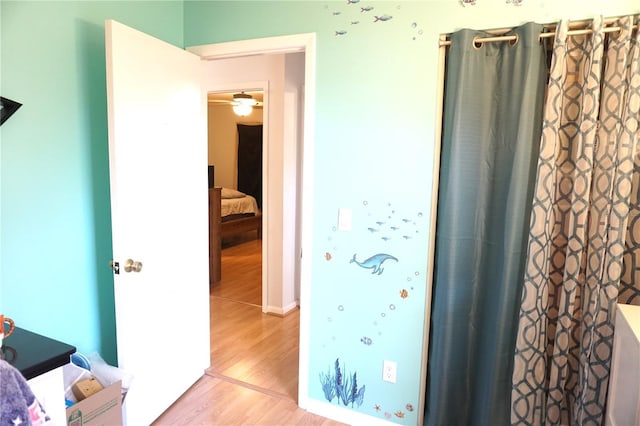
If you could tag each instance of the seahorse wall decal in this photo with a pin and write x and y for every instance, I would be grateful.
(374, 262)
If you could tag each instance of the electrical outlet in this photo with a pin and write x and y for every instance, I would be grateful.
(389, 371)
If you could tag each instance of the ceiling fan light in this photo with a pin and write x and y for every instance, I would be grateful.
(243, 104)
(242, 109)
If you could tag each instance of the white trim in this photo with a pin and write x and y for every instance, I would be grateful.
(276, 310)
(432, 231)
(289, 44)
(248, 86)
(259, 46)
(290, 307)
(341, 414)
(306, 224)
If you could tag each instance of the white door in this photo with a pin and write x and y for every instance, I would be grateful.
(159, 207)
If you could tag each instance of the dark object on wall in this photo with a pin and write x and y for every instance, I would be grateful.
(7, 108)
(250, 161)
(211, 176)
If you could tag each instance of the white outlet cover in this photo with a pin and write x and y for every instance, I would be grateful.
(389, 371)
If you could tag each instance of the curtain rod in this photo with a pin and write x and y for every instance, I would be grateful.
(498, 38)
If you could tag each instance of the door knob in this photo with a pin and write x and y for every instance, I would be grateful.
(130, 265)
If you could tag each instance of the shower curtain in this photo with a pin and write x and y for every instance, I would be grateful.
(491, 132)
(576, 243)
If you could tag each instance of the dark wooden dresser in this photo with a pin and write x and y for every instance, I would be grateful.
(41, 360)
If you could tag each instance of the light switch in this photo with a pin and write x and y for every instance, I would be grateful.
(344, 219)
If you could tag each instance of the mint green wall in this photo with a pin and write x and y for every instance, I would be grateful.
(375, 120)
(374, 152)
(55, 211)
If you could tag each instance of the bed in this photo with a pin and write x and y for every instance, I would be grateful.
(239, 213)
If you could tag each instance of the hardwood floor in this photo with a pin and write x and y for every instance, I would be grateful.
(241, 271)
(253, 378)
(213, 401)
(264, 354)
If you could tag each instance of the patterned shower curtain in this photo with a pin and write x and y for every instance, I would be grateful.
(586, 180)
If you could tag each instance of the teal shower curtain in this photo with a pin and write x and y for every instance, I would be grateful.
(491, 133)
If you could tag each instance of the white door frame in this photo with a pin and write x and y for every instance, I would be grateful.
(289, 44)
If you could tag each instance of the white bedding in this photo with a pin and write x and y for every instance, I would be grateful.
(243, 205)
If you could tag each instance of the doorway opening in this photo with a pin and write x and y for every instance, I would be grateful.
(290, 187)
(235, 157)
(249, 347)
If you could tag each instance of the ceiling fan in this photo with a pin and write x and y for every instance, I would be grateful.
(242, 102)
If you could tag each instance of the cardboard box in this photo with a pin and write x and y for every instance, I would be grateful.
(102, 408)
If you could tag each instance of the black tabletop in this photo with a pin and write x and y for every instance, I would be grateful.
(34, 354)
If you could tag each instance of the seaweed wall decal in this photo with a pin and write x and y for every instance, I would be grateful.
(344, 387)
(328, 386)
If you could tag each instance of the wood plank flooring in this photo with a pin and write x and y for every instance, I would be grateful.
(214, 401)
(265, 352)
(241, 271)
(253, 378)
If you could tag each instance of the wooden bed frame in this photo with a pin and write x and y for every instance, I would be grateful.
(219, 230)
(241, 225)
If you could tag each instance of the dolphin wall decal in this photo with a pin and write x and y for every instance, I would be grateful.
(374, 262)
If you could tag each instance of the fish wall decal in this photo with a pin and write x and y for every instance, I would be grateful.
(366, 340)
(382, 18)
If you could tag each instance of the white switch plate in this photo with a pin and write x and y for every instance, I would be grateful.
(389, 371)
(344, 219)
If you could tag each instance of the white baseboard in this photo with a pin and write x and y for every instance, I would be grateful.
(276, 310)
(341, 414)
